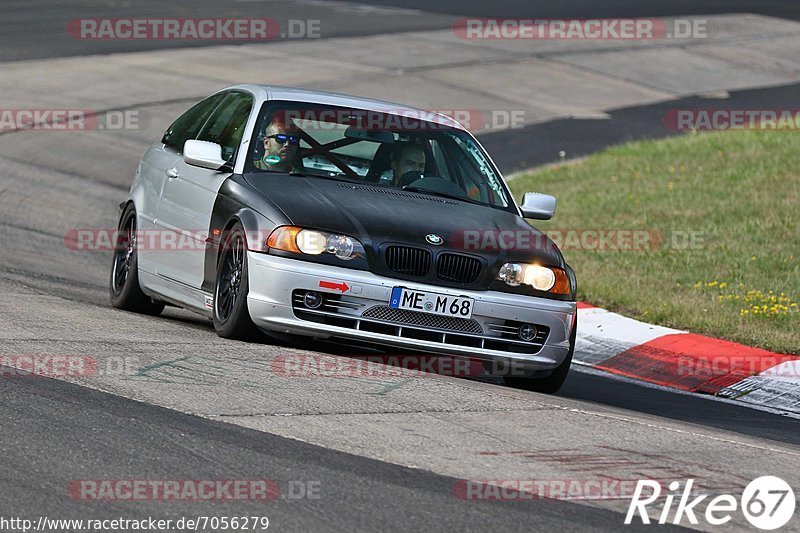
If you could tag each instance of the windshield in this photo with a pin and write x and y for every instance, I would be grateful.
(383, 149)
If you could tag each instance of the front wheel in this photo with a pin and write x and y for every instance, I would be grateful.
(552, 383)
(123, 284)
(230, 314)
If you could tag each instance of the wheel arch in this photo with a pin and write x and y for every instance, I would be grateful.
(256, 228)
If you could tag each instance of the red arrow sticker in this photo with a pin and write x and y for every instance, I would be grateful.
(340, 286)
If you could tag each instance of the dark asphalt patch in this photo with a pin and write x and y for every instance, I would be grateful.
(539, 144)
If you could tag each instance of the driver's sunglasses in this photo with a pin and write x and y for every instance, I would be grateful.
(281, 138)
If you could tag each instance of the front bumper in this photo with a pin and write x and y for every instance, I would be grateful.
(361, 313)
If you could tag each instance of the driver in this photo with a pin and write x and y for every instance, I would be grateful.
(407, 158)
(281, 146)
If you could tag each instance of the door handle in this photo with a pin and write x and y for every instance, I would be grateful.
(173, 173)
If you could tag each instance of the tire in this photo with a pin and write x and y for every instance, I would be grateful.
(123, 283)
(230, 313)
(552, 383)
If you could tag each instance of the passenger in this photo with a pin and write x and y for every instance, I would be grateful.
(407, 162)
(281, 147)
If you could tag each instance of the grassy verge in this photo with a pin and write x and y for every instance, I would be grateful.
(725, 207)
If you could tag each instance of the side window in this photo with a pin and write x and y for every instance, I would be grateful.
(188, 125)
(226, 125)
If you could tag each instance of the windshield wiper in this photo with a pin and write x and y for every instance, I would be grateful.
(298, 174)
(423, 190)
(325, 176)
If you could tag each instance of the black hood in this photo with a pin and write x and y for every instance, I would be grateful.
(377, 215)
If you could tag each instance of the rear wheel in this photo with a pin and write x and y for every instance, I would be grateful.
(231, 315)
(552, 383)
(123, 283)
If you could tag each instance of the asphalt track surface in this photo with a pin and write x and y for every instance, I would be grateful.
(33, 29)
(37, 29)
(112, 434)
(53, 431)
(585, 9)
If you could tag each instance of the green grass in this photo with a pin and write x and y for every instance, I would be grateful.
(740, 190)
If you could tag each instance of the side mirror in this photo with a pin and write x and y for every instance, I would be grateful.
(538, 206)
(203, 154)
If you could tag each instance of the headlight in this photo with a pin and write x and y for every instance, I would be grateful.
(539, 277)
(341, 246)
(511, 273)
(313, 242)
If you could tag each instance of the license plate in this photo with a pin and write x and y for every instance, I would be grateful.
(430, 302)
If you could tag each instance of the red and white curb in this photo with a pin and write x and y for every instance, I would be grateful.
(686, 361)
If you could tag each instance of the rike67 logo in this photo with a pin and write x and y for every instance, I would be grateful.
(767, 502)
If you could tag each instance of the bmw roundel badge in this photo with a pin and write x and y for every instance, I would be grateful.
(434, 239)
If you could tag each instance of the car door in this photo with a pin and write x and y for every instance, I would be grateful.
(160, 158)
(190, 192)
